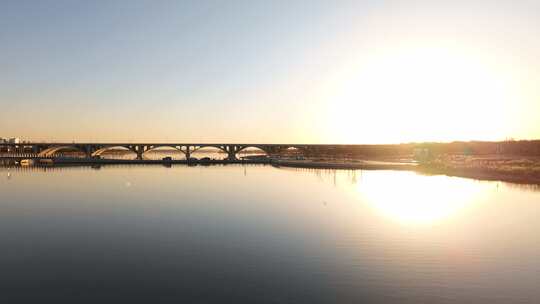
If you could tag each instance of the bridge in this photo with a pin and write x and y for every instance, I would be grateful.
(94, 150)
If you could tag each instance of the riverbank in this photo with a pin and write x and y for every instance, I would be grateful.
(508, 168)
(347, 165)
(513, 169)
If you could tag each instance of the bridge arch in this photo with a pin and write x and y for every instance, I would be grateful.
(52, 151)
(158, 148)
(209, 151)
(257, 151)
(218, 147)
(102, 150)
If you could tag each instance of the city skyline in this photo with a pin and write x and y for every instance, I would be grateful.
(280, 72)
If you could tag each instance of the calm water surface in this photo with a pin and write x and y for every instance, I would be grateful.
(259, 234)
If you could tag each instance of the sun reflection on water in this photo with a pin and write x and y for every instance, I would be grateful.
(415, 199)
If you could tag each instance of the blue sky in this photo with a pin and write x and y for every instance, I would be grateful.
(225, 70)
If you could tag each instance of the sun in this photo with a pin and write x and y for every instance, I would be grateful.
(424, 94)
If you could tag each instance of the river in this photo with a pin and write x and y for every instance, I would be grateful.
(259, 234)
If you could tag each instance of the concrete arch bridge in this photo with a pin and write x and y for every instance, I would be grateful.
(92, 150)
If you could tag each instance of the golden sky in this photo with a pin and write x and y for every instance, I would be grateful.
(280, 72)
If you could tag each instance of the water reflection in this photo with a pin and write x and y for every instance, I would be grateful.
(416, 199)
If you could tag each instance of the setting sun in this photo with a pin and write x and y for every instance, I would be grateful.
(422, 94)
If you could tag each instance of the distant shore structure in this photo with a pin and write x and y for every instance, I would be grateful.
(12, 140)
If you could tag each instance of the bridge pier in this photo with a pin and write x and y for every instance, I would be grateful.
(88, 151)
(231, 151)
(188, 152)
(139, 150)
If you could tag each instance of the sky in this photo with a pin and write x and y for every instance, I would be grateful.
(270, 71)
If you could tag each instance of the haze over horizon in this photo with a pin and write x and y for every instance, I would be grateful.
(276, 72)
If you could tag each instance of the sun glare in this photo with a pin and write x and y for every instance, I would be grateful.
(416, 199)
(421, 95)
